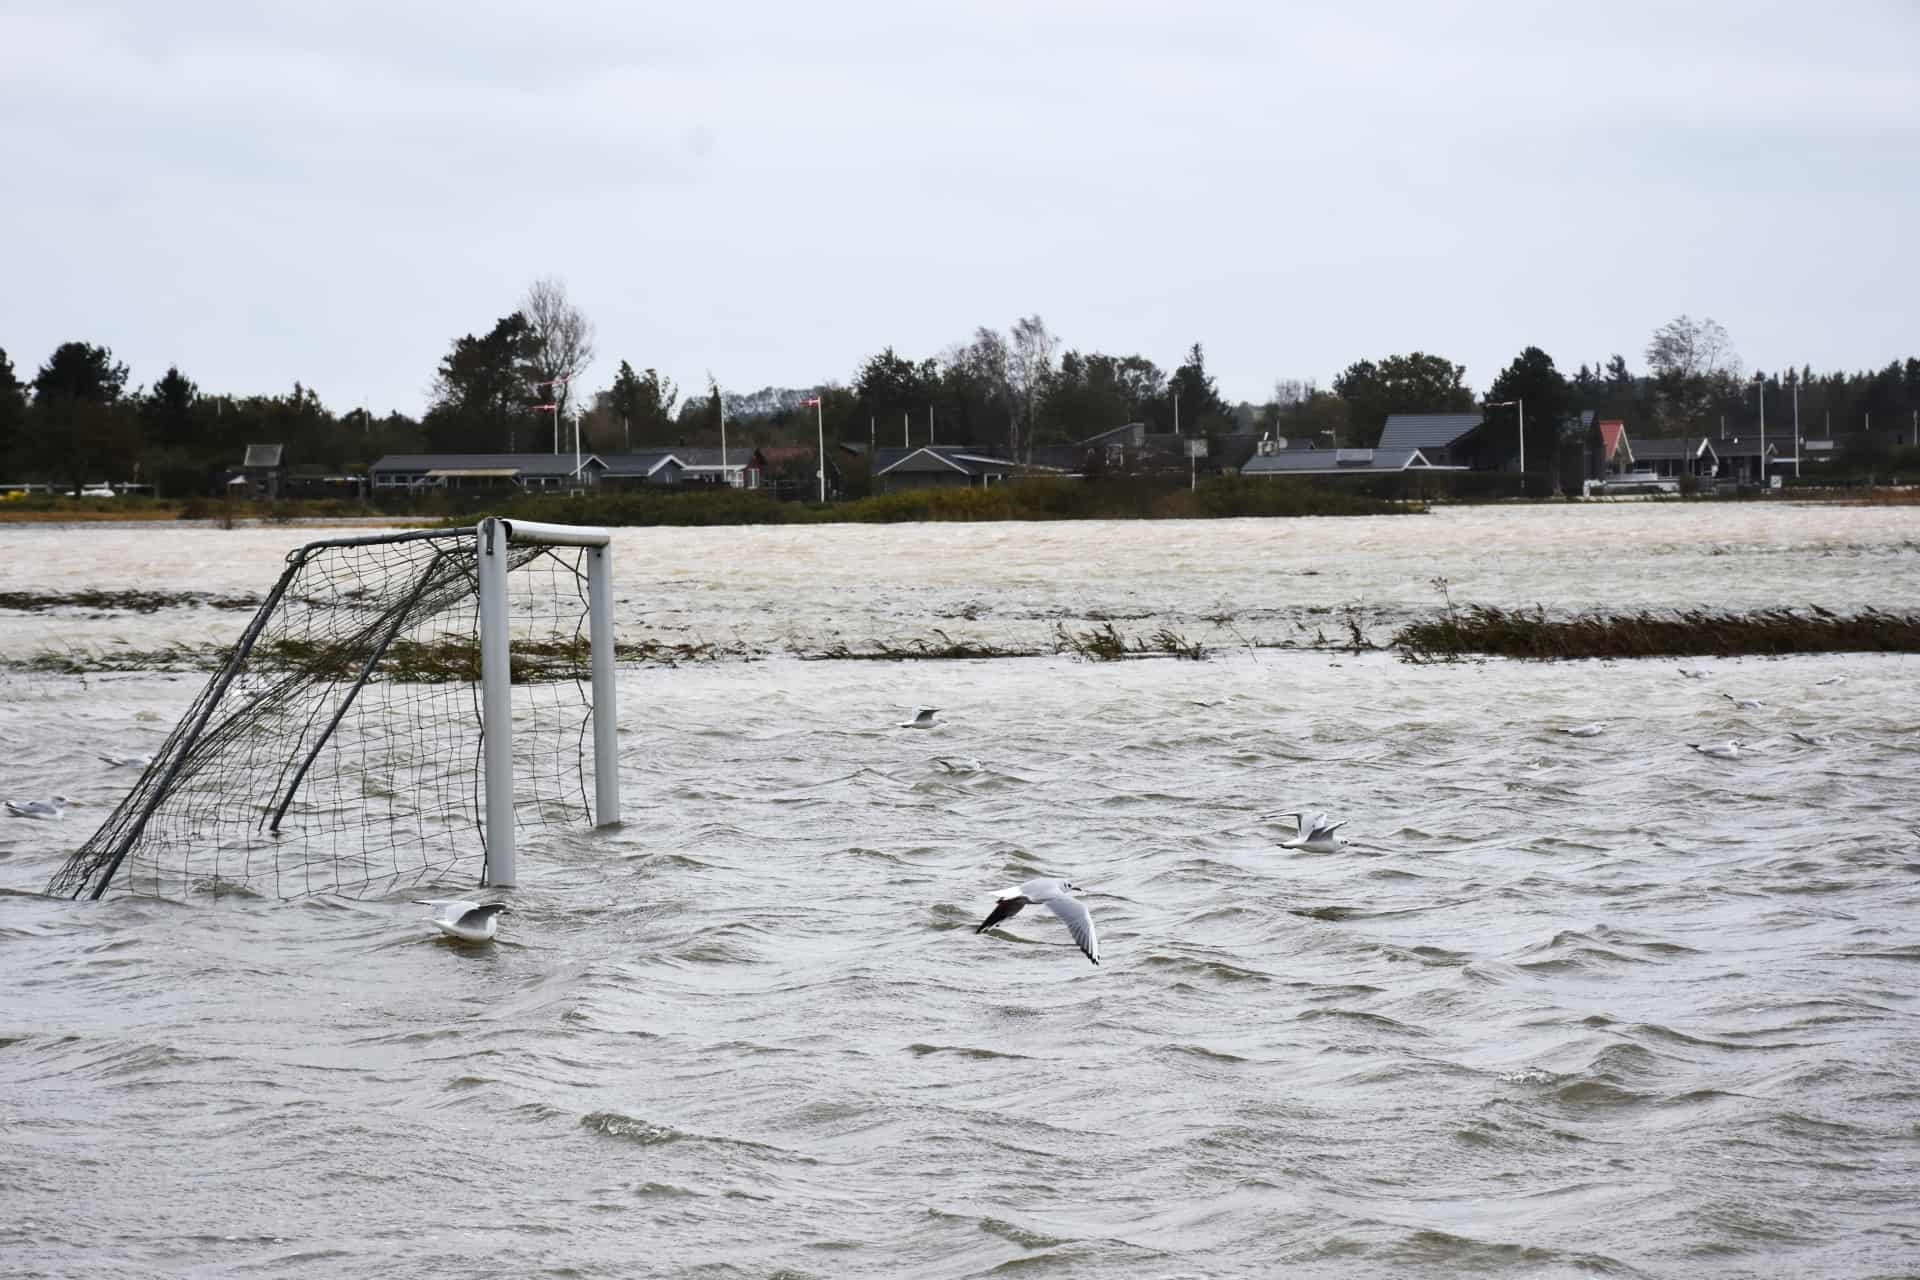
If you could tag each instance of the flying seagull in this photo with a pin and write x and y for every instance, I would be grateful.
(1592, 730)
(923, 718)
(46, 810)
(1745, 704)
(1053, 895)
(122, 762)
(1314, 833)
(1728, 750)
(467, 921)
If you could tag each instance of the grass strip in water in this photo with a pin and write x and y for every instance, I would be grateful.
(1482, 630)
(122, 601)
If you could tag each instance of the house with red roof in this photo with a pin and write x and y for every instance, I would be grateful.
(1616, 451)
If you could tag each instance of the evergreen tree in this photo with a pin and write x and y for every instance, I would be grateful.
(13, 411)
(1542, 389)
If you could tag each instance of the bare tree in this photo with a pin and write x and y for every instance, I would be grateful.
(562, 340)
(1029, 373)
(1692, 362)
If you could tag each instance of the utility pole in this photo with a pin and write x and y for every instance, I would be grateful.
(1762, 384)
(721, 400)
(1521, 405)
(1796, 428)
(929, 422)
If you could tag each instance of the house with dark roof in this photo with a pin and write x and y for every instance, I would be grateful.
(1338, 462)
(261, 471)
(1670, 457)
(1743, 460)
(940, 466)
(1444, 439)
(416, 472)
(742, 467)
(642, 467)
(791, 472)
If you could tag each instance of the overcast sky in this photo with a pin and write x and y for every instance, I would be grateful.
(332, 191)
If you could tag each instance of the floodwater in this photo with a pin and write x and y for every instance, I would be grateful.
(1563, 1006)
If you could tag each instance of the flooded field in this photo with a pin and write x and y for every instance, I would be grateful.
(1561, 1006)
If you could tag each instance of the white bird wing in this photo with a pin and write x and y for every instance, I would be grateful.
(1079, 923)
(1322, 827)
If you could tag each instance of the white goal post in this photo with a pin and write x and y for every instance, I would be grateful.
(401, 708)
(494, 537)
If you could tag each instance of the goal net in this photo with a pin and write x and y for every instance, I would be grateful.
(343, 747)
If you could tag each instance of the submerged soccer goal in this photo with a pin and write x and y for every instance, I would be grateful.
(400, 711)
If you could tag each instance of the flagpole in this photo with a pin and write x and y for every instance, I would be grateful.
(820, 420)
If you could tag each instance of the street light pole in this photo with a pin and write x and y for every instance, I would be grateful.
(1521, 405)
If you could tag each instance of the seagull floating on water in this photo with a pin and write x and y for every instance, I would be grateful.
(467, 921)
(45, 810)
(123, 762)
(1590, 730)
(957, 764)
(1314, 833)
(923, 718)
(1728, 750)
(1745, 704)
(1051, 894)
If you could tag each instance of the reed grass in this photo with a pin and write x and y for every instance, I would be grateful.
(1482, 630)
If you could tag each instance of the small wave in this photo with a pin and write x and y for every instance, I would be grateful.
(920, 1050)
(1598, 1095)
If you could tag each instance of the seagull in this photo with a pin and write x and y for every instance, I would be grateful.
(45, 810)
(1053, 894)
(467, 921)
(923, 718)
(122, 762)
(1592, 730)
(957, 764)
(1745, 704)
(1832, 680)
(1314, 833)
(1728, 750)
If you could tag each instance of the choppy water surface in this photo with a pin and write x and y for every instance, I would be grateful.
(1565, 1006)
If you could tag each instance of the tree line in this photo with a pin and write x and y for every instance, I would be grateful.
(518, 386)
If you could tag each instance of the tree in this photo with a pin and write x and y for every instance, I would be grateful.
(561, 342)
(1200, 410)
(1693, 367)
(481, 398)
(76, 430)
(1533, 381)
(1094, 392)
(167, 415)
(891, 387)
(1029, 373)
(640, 408)
(13, 410)
(1416, 383)
(976, 398)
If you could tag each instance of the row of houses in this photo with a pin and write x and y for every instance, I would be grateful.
(1410, 442)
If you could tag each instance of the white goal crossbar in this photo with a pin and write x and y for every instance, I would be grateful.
(495, 535)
